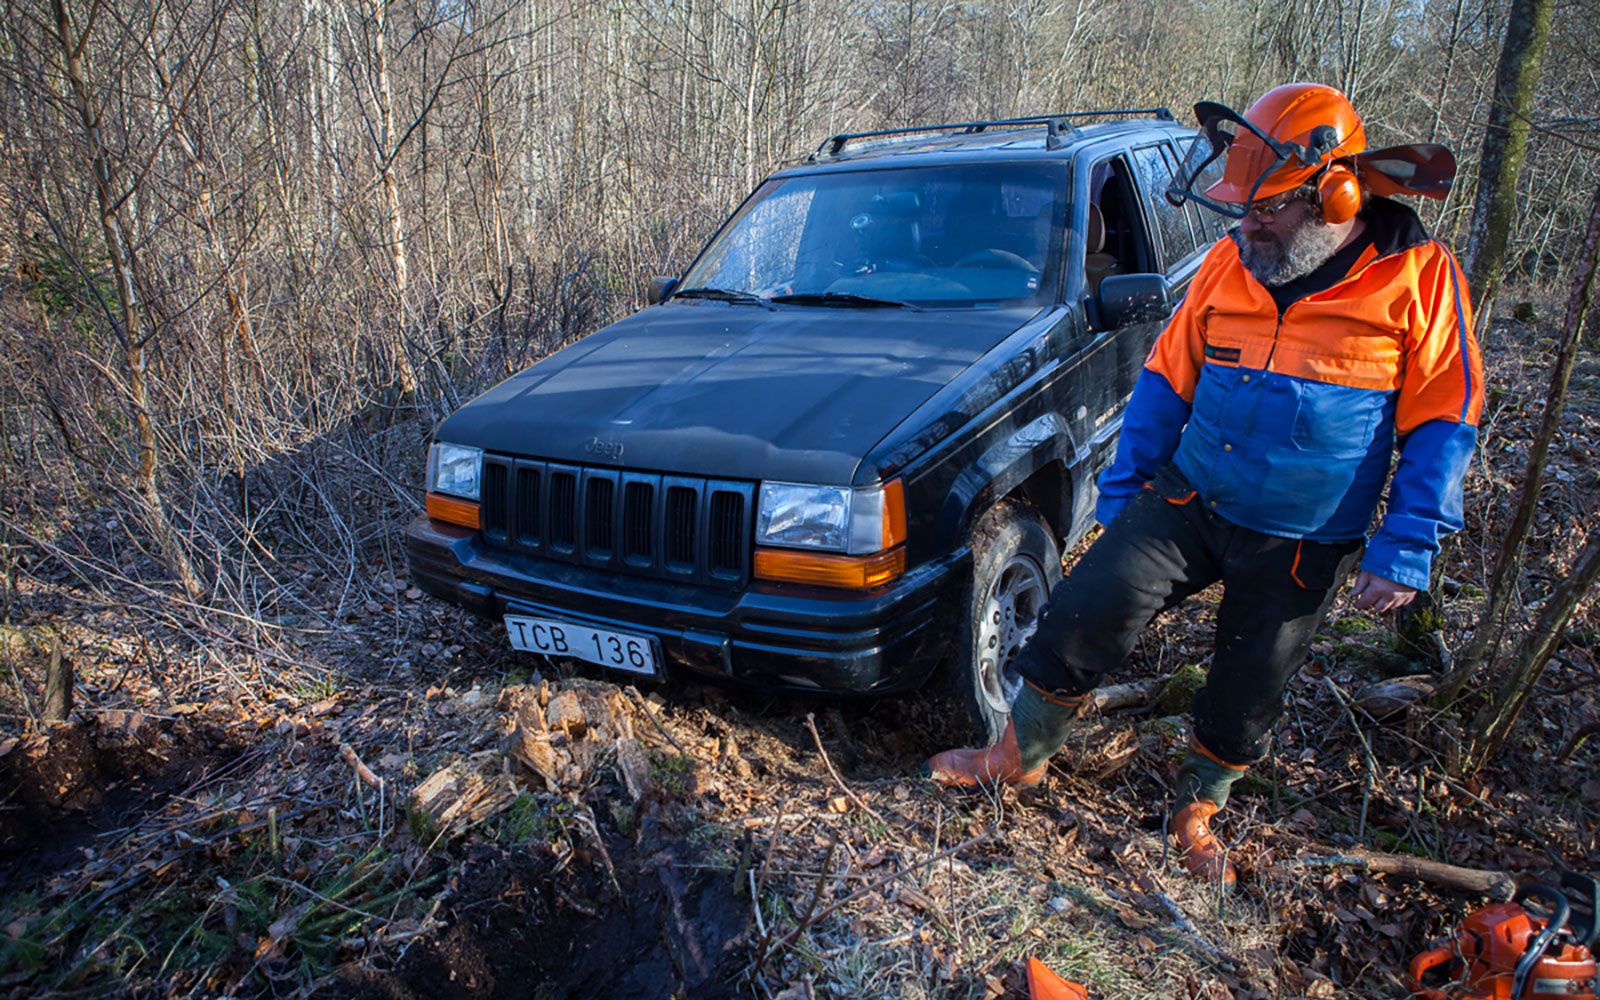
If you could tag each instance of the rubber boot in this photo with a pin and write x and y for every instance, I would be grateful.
(998, 764)
(1039, 724)
(1198, 848)
(1203, 784)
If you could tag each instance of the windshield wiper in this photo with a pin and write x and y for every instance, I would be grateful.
(840, 299)
(719, 295)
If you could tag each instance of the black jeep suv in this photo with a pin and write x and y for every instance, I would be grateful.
(851, 442)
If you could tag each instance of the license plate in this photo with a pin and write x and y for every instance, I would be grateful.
(617, 650)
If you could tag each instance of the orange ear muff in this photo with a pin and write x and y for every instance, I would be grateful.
(1339, 193)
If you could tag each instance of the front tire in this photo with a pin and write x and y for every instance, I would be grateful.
(1016, 563)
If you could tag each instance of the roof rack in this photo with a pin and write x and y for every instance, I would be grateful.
(1057, 127)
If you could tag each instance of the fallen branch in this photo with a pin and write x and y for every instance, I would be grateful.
(385, 937)
(1567, 752)
(811, 724)
(1366, 752)
(1129, 695)
(363, 772)
(1181, 922)
(1495, 884)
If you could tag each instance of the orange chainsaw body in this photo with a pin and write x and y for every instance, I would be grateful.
(1480, 964)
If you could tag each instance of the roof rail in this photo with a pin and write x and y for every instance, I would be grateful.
(1057, 126)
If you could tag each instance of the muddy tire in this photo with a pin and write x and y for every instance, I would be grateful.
(1016, 563)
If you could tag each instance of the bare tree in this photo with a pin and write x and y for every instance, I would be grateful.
(1490, 628)
(131, 321)
(1505, 142)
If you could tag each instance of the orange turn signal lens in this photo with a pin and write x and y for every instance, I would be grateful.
(894, 513)
(452, 510)
(824, 570)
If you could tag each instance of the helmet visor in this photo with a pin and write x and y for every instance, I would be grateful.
(1200, 177)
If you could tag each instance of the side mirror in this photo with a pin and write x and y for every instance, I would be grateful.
(659, 289)
(1133, 298)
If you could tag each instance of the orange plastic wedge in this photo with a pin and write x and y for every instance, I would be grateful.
(1046, 985)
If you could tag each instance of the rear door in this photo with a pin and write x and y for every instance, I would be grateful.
(1183, 233)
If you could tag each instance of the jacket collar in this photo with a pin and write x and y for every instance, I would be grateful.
(1393, 227)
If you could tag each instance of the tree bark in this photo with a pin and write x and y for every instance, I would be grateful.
(389, 195)
(1486, 637)
(135, 339)
(1504, 143)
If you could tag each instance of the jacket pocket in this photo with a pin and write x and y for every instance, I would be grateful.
(1335, 420)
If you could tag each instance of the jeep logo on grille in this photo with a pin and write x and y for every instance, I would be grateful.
(611, 451)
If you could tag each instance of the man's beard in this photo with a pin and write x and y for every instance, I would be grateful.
(1275, 260)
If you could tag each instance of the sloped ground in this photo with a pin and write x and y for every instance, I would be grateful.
(231, 818)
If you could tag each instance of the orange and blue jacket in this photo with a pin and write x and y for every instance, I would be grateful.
(1287, 423)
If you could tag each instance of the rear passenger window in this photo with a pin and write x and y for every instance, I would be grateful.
(1155, 173)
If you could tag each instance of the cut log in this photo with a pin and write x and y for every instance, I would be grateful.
(1495, 884)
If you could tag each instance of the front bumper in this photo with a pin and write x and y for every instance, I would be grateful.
(770, 636)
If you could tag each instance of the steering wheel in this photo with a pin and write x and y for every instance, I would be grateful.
(1003, 260)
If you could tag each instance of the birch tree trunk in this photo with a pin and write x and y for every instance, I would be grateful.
(389, 197)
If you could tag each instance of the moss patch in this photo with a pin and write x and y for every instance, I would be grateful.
(1179, 690)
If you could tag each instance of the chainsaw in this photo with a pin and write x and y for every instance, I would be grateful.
(1508, 952)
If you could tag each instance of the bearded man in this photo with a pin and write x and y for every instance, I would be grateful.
(1327, 328)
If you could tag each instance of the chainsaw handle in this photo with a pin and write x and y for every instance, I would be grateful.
(1560, 909)
(1587, 892)
(1425, 963)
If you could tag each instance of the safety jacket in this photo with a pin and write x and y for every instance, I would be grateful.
(1286, 424)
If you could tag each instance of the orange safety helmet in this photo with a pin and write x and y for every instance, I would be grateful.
(1294, 134)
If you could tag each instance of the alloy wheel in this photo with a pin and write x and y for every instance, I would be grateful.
(1009, 616)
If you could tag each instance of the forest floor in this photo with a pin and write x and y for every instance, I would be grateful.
(382, 799)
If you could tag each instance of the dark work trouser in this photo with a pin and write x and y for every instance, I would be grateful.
(1165, 546)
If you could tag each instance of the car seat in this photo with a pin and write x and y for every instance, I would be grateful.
(1097, 264)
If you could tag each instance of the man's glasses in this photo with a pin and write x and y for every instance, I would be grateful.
(1267, 211)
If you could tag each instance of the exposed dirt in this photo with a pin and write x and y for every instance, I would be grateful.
(78, 782)
(530, 930)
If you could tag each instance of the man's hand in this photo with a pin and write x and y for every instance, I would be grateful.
(1374, 593)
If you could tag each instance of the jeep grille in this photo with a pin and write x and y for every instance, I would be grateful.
(668, 527)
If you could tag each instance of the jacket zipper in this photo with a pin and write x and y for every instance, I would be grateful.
(1275, 331)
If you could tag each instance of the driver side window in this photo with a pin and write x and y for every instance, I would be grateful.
(1116, 241)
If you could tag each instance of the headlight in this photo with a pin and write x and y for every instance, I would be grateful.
(831, 518)
(454, 469)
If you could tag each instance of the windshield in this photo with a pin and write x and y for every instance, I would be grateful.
(935, 236)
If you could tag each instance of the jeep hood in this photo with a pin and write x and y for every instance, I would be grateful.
(789, 393)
